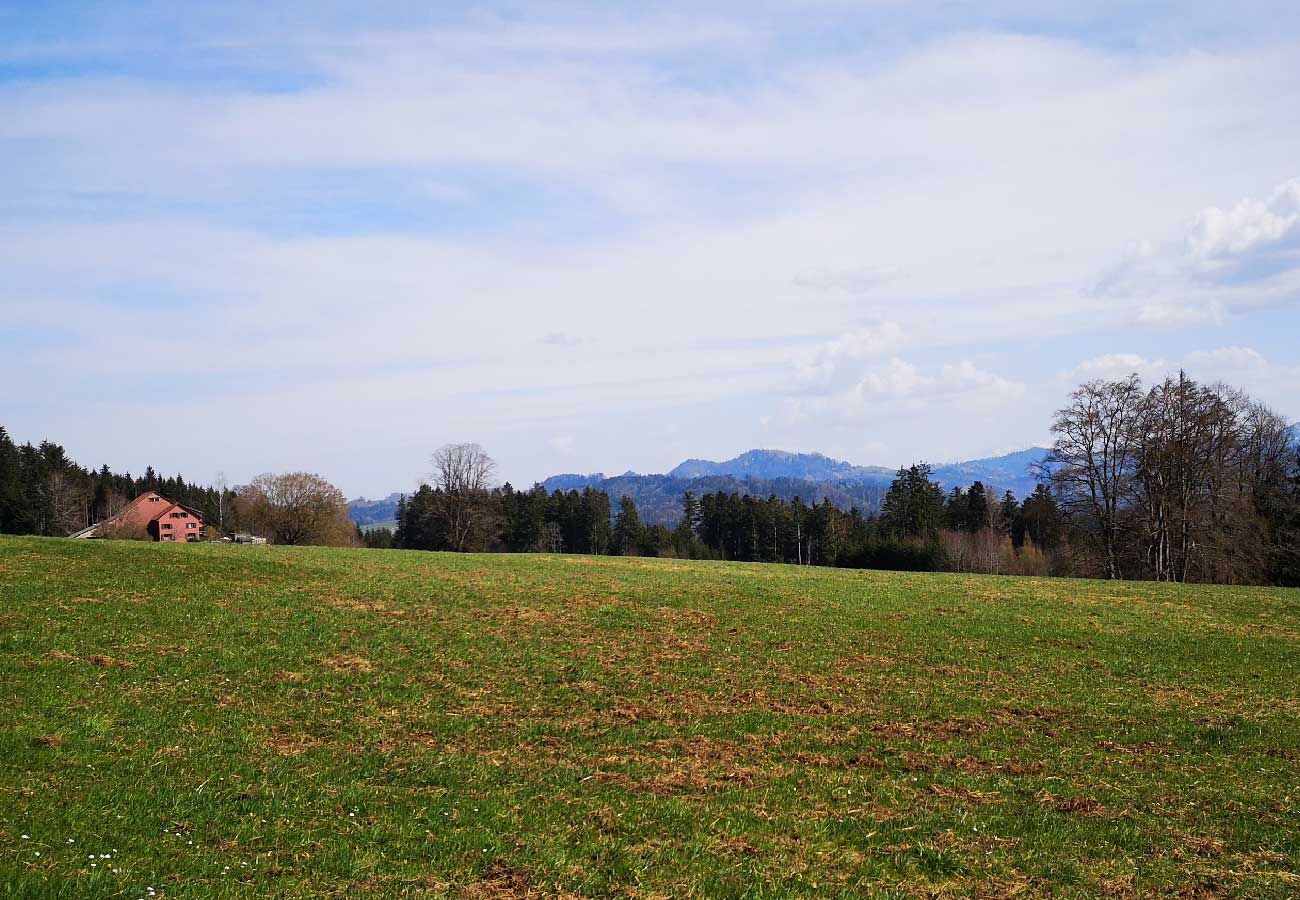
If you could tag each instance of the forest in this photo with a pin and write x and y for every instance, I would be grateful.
(1179, 481)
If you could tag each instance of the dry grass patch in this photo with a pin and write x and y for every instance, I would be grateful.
(348, 664)
(284, 740)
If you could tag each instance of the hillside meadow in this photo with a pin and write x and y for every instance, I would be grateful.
(226, 721)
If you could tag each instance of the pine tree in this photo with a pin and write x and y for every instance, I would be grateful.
(627, 529)
(913, 507)
(977, 507)
(957, 510)
(686, 535)
(10, 485)
(1009, 515)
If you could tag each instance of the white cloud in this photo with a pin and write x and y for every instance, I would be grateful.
(1227, 260)
(1250, 225)
(832, 360)
(1174, 314)
(1226, 359)
(1243, 367)
(509, 189)
(1112, 366)
(849, 280)
(563, 339)
(897, 385)
(562, 443)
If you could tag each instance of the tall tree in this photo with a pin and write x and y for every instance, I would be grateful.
(1092, 462)
(1040, 520)
(627, 528)
(977, 507)
(914, 505)
(463, 474)
(296, 508)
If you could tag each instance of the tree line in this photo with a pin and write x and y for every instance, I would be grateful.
(1178, 481)
(44, 492)
(919, 527)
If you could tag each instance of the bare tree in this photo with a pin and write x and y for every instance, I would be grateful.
(296, 508)
(1179, 481)
(221, 485)
(1093, 460)
(463, 474)
(551, 540)
(68, 501)
(1186, 470)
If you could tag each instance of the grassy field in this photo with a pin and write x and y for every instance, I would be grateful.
(222, 721)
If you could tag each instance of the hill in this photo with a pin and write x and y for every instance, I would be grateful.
(374, 512)
(659, 497)
(810, 476)
(773, 464)
(763, 473)
(263, 721)
(1010, 472)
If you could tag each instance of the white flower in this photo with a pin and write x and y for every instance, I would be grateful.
(27, 837)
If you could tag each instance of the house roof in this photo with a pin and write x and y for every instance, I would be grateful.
(137, 512)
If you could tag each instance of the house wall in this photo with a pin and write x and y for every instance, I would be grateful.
(176, 524)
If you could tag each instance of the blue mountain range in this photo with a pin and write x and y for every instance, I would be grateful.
(811, 476)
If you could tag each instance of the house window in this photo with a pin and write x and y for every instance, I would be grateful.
(167, 525)
(191, 525)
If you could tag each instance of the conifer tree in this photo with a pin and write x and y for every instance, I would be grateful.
(627, 528)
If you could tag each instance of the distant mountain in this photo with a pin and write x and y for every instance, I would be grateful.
(371, 512)
(1013, 472)
(810, 476)
(764, 473)
(780, 464)
(570, 482)
(659, 497)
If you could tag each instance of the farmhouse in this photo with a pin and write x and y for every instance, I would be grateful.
(153, 514)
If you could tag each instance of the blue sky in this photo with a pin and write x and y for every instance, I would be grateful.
(611, 236)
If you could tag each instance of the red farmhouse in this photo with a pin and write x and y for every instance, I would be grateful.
(162, 519)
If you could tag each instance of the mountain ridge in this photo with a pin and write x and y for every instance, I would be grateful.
(767, 472)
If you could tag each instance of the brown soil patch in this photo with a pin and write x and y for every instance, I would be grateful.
(963, 793)
(108, 662)
(938, 762)
(956, 726)
(1145, 748)
(347, 663)
(287, 742)
(354, 604)
(99, 659)
(1191, 846)
(503, 882)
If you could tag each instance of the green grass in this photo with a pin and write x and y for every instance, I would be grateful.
(277, 722)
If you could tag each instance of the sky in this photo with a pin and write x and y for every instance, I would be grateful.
(249, 237)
